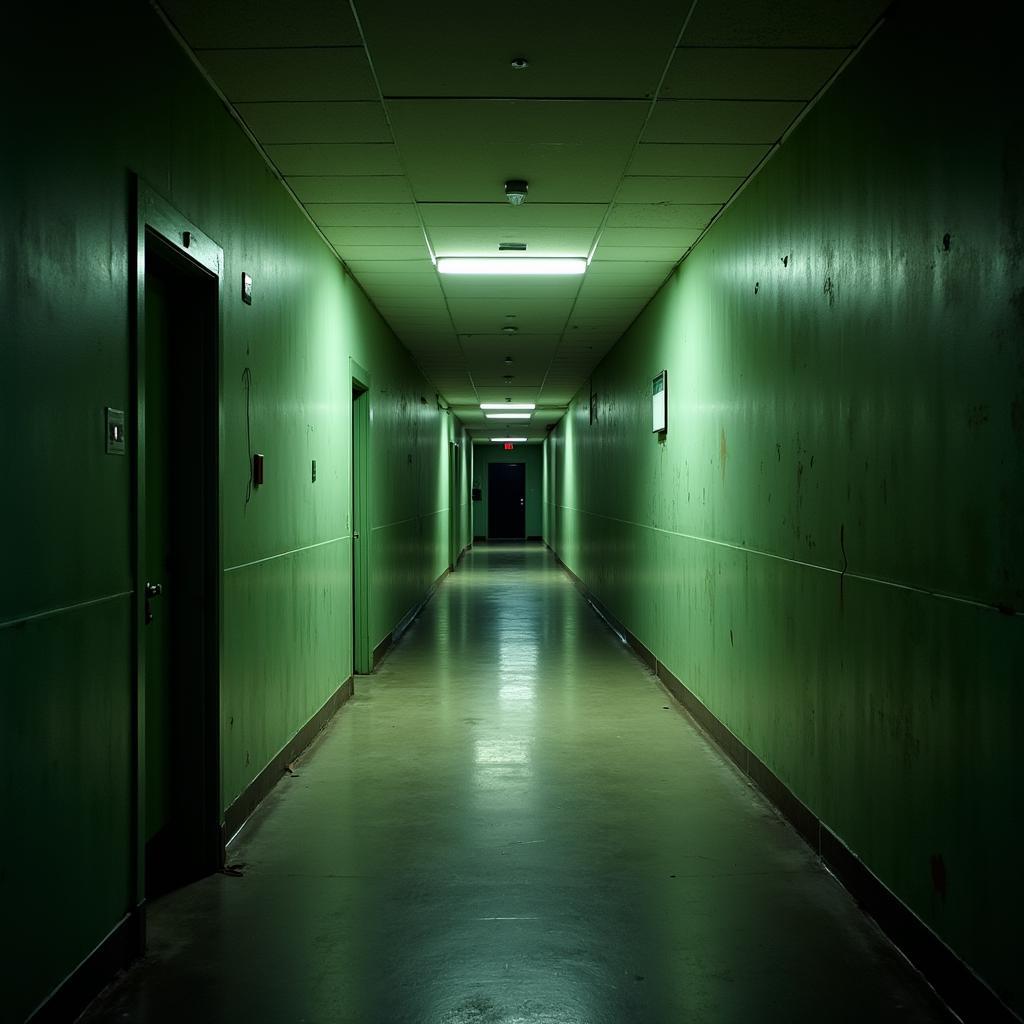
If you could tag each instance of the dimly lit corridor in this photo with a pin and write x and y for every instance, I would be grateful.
(513, 822)
(512, 514)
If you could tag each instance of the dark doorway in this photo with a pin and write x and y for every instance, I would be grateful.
(455, 505)
(506, 501)
(178, 424)
(362, 652)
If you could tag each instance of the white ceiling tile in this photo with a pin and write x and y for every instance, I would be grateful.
(467, 51)
(310, 73)
(324, 159)
(679, 238)
(419, 266)
(464, 151)
(315, 122)
(738, 73)
(297, 23)
(626, 271)
(640, 252)
(365, 188)
(336, 215)
(769, 23)
(661, 215)
(381, 253)
(681, 159)
(505, 216)
(681, 190)
(373, 235)
(721, 121)
(485, 241)
(495, 287)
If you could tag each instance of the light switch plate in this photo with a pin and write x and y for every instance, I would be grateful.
(114, 429)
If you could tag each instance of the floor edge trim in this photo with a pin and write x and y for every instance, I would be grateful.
(115, 951)
(413, 614)
(242, 807)
(967, 994)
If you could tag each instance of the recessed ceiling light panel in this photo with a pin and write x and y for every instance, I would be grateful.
(508, 415)
(538, 266)
(508, 405)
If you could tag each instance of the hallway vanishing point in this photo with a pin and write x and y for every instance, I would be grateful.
(511, 823)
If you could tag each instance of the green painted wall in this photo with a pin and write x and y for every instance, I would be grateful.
(846, 393)
(533, 456)
(119, 98)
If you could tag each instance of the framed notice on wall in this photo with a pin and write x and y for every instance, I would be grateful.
(659, 402)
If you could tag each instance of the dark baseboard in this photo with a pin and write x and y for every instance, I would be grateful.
(410, 616)
(382, 648)
(253, 794)
(123, 944)
(535, 539)
(953, 979)
(479, 540)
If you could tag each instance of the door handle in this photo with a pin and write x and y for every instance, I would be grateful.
(355, 536)
(152, 590)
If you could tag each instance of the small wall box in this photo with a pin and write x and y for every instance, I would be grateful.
(659, 403)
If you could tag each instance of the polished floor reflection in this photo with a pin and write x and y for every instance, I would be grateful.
(512, 824)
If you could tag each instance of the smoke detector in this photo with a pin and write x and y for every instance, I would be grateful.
(520, 63)
(515, 191)
(509, 329)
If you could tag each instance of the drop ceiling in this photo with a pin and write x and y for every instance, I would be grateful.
(396, 124)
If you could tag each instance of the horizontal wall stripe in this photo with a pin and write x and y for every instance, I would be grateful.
(286, 554)
(64, 609)
(409, 519)
(839, 573)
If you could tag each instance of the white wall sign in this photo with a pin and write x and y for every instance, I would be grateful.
(659, 402)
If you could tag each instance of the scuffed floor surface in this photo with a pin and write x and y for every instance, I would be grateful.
(511, 823)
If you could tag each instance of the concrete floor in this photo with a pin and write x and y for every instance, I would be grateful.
(512, 824)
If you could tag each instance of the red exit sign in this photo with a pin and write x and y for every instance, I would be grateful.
(509, 447)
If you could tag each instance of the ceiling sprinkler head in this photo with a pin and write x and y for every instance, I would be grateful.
(515, 191)
(508, 360)
(509, 329)
(520, 63)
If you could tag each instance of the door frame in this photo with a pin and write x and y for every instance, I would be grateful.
(454, 503)
(490, 496)
(360, 465)
(153, 215)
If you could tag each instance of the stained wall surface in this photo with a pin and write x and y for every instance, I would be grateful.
(827, 546)
(123, 101)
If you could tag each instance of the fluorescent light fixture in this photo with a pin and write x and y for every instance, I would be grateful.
(508, 405)
(538, 265)
(508, 415)
(507, 439)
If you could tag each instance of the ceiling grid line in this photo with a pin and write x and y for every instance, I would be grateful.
(419, 216)
(394, 129)
(596, 241)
